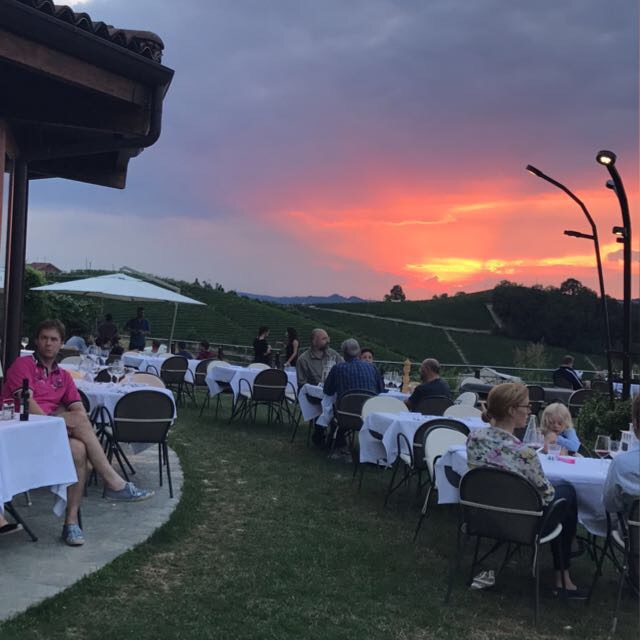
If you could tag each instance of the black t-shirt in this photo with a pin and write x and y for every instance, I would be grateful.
(260, 348)
(437, 387)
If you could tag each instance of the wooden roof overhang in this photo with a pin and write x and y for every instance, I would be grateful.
(80, 99)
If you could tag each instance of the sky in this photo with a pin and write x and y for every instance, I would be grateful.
(322, 146)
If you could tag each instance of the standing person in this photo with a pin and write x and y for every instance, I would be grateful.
(291, 350)
(567, 374)
(138, 330)
(316, 358)
(107, 330)
(52, 391)
(261, 348)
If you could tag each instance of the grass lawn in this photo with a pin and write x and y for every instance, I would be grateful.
(271, 540)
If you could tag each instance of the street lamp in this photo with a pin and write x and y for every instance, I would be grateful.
(608, 159)
(596, 245)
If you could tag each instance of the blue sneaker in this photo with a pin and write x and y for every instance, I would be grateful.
(130, 493)
(72, 535)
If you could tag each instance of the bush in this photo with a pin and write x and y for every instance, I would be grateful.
(597, 418)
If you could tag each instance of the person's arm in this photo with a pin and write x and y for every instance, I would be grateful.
(301, 374)
(612, 492)
(569, 440)
(147, 329)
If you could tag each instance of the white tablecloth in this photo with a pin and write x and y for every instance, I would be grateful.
(323, 413)
(635, 388)
(35, 454)
(587, 475)
(389, 425)
(107, 394)
(233, 374)
(153, 365)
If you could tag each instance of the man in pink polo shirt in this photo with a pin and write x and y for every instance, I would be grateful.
(53, 391)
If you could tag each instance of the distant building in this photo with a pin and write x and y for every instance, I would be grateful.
(45, 267)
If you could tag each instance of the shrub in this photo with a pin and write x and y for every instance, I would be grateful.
(596, 417)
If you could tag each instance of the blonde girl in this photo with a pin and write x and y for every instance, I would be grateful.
(557, 427)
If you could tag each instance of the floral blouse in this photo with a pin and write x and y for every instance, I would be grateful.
(495, 447)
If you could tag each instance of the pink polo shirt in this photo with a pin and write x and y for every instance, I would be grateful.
(51, 388)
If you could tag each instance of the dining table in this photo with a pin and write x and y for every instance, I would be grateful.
(586, 475)
(33, 454)
(219, 376)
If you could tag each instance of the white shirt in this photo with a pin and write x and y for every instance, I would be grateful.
(622, 485)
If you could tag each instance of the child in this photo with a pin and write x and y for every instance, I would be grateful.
(557, 427)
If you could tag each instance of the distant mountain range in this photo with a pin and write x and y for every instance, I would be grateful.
(332, 299)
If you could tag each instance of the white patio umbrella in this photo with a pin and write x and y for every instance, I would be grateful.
(119, 286)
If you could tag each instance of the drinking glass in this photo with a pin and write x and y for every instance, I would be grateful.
(602, 446)
(554, 450)
(24, 341)
(387, 378)
(614, 448)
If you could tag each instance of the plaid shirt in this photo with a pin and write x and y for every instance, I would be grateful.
(352, 375)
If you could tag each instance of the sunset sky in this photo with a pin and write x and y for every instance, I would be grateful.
(321, 146)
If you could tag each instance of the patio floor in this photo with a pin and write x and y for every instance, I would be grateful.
(41, 569)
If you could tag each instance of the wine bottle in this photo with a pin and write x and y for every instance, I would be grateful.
(24, 415)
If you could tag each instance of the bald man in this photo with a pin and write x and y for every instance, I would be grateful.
(432, 384)
(311, 363)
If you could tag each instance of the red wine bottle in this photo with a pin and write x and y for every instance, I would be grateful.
(25, 400)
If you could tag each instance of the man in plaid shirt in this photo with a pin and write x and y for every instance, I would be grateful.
(353, 373)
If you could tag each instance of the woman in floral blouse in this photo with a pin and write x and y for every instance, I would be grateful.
(496, 446)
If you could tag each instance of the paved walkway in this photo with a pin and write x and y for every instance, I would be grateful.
(33, 571)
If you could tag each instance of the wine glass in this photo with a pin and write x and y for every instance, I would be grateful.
(24, 341)
(387, 379)
(602, 446)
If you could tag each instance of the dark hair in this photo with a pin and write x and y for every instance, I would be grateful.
(101, 341)
(568, 360)
(155, 343)
(50, 324)
(182, 345)
(108, 317)
(139, 309)
(262, 330)
(366, 350)
(205, 344)
(292, 334)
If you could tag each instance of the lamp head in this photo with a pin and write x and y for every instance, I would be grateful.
(607, 158)
(533, 170)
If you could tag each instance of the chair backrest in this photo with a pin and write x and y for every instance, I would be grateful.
(467, 398)
(600, 386)
(348, 409)
(499, 504)
(148, 379)
(258, 365)
(85, 401)
(433, 406)
(461, 411)
(560, 381)
(173, 369)
(437, 436)
(71, 360)
(269, 385)
(112, 357)
(201, 372)
(536, 393)
(142, 416)
(633, 532)
(383, 404)
(577, 399)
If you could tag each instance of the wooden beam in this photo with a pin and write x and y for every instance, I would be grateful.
(71, 70)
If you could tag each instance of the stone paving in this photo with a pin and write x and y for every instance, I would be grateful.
(32, 571)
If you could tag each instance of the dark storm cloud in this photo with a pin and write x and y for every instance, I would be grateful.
(272, 99)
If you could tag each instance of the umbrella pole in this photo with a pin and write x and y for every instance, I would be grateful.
(173, 324)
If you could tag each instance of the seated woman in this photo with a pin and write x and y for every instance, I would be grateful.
(557, 428)
(496, 446)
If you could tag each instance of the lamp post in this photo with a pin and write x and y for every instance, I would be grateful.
(596, 245)
(608, 159)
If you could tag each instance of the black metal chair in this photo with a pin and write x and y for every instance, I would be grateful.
(173, 373)
(268, 390)
(600, 386)
(225, 387)
(506, 508)
(144, 416)
(197, 380)
(436, 436)
(536, 398)
(622, 540)
(577, 399)
(433, 406)
(347, 419)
